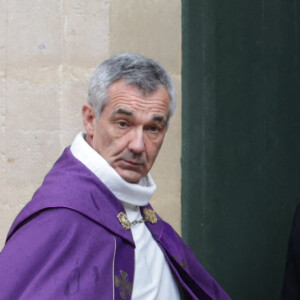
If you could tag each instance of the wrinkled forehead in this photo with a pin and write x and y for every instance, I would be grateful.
(143, 89)
(130, 96)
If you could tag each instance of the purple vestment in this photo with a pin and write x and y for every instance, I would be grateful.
(67, 243)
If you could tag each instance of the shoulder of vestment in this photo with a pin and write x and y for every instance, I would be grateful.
(71, 185)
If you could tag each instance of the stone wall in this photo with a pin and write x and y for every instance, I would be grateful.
(48, 52)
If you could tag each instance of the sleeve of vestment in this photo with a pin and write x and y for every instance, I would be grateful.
(56, 254)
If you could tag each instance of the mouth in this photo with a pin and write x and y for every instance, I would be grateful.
(133, 163)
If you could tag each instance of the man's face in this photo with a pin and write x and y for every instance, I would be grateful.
(130, 129)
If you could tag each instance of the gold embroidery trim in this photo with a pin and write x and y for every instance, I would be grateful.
(123, 284)
(124, 220)
(150, 215)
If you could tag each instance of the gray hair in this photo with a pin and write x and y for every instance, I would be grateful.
(147, 74)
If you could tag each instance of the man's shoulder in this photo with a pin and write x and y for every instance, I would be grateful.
(68, 177)
(39, 260)
(56, 223)
(70, 185)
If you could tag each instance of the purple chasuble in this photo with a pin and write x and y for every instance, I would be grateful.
(67, 243)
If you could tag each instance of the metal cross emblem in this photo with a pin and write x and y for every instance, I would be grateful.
(123, 284)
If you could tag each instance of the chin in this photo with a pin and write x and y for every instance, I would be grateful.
(131, 181)
(131, 178)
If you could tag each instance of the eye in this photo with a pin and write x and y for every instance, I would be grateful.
(122, 124)
(154, 128)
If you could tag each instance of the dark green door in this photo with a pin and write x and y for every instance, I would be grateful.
(241, 139)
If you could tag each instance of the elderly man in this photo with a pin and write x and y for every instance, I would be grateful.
(89, 232)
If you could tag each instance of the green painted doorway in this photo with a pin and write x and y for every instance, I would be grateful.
(241, 139)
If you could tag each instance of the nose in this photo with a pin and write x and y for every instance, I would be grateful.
(137, 143)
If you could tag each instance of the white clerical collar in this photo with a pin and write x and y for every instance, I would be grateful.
(135, 194)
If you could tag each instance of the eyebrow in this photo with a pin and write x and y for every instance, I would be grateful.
(122, 111)
(159, 118)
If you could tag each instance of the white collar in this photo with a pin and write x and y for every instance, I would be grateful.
(135, 194)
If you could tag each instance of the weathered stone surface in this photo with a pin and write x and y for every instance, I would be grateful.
(7, 216)
(33, 33)
(2, 128)
(148, 27)
(32, 105)
(86, 32)
(48, 52)
(75, 89)
(29, 154)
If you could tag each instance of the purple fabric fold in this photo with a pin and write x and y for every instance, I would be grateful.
(67, 243)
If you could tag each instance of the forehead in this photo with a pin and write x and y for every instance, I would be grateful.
(129, 96)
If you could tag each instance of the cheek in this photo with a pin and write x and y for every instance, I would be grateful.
(116, 145)
(153, 150)
(101, 140)
(103, 143)
(104, 135)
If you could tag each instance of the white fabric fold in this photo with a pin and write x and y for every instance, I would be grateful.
(135, 194)
(153, 278)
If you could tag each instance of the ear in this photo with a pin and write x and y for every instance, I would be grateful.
(88, 116)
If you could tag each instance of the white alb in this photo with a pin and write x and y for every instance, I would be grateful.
(153, 278)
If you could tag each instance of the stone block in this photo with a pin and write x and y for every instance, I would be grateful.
(88, 44)
(75, 90)
(3, 6)
(2, 39)
(151, 28)
(29, 155)
(26, 160)
(2, 163)
(2, 30)
(2, 94)
(7, 217)
(33, 33)
(2, 125)
(31, 105)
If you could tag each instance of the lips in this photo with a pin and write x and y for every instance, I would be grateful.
(134, 163)
(130, 164)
